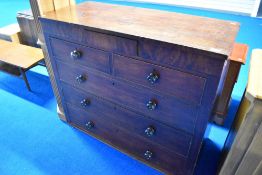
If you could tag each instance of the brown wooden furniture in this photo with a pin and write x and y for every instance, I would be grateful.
(234, 62)
(39, 7)
(21, 56)
(10, 33)
(144, 81)
(27, 25)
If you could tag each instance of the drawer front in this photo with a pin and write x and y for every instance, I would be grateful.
(184, 58)
(78, 54)
(110, 43)
(99, 126)
(160, 78)
(175, 141)
(100, 40)
(166, 109)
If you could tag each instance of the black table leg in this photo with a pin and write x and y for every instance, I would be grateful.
(22, 71)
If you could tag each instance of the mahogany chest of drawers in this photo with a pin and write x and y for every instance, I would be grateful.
(143, 81)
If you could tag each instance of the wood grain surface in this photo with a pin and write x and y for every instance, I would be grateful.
(187, 52)
(239, 53)
(201, 33)
(19, 55)
(231, 71)
(127, 142)
(171, 111)
(170, 81)
(89, 57)
(174, 140)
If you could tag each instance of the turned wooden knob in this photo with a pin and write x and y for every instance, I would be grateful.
(89, 125)
(151, 104)
(148, 155)
(153, 77)
(150, 131)
(80, 78)
(85, 102)
(75, 54)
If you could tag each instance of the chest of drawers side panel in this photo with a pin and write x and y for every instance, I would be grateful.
(203, 117)
(54, 66)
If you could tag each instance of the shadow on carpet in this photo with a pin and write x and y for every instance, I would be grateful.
(41, 94)
(208, 158)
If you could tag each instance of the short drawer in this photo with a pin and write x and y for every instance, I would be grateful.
(182, 85)
(175, 141)
(180, 57)
(96, 39)
(78, 54)
(100, 127)
(168, 110)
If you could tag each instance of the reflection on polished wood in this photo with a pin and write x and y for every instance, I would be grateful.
(197, 32)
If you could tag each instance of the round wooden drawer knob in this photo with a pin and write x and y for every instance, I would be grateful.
(153, 77)
(85, 102)
(89, 125)
(148, 155)
(80, 78)
(76, 54)
(151, 104)
(150, 131)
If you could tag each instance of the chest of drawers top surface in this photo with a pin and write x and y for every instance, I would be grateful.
(211, 35)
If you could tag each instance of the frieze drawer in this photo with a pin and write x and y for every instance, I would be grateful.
(95, 39)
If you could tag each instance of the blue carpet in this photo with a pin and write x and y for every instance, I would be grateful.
(34, 141)
(9, 9)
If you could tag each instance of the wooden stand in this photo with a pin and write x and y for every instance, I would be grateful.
(20, 56)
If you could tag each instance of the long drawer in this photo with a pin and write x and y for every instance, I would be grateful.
(159, 78)
(176, 141)
(100, 126)
(79, 54)
(168, 110)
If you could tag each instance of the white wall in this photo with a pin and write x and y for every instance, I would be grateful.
(246, 7)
